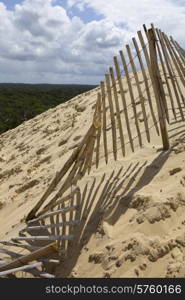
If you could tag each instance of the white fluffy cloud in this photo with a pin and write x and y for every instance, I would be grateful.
(169, 15)
(40, 41)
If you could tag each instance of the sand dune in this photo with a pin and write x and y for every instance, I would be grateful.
(134, 224)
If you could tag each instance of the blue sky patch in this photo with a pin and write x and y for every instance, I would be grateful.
(10, 3)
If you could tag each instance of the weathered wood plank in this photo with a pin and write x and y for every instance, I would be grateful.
(57, 225)
(180, 69)
(98, 138)
(102, 86)
(111, 70)
(59, 202)
(113, 123)
(23, 268)
(178, 50)
(141, 39)
(157, 88)
(139, 91)
(146, 84)
(170, 70)
(178, 65)
(54, 213)
(118, 73)
(43, 238)
(131, 96)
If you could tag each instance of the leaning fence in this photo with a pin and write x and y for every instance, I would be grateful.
(146, 84)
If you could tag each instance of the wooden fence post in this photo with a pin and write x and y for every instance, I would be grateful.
(158, 88)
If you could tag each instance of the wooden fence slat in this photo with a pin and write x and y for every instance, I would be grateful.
(79, 159)
(179, 50)
(71, 177)
(162, 92)
(79, 203)
(111, 70)
(168, 86)
(24, 259)
(71, 215)
(179, 47)
(58, 225)
(111, 108)
(91, 152)
(180, 69)
(53, 213)
(131, 96)
(144, 48)
(43, 238)
(164, 73)
(12, 254)
(60, 201)
(99, 132)
(50, 261)
(57, 228)
(62, 243)
(118, 73)
(60, 174)
(170, 71)
(83, 202)
(7, 243)
(158, 88)
(141, 39)
(146, 84)
(139, 91)
(42, 274)
(52, 221)
(102, 86)
(97, 124)
(23, 268)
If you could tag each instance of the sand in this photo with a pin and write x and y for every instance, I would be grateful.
(135, 226)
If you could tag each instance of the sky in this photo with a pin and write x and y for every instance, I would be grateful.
(73, 41)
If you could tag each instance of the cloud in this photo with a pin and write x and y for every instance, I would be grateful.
(42, 42)
(169, 15)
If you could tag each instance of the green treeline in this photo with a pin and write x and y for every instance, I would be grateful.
(21, 102)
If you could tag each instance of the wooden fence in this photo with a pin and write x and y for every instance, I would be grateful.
(145, 84)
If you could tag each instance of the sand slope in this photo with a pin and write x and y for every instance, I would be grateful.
(135, 226)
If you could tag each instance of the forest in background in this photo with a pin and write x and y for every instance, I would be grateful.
(21, 102)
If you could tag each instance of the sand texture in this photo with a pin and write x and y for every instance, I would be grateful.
(133, 208)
